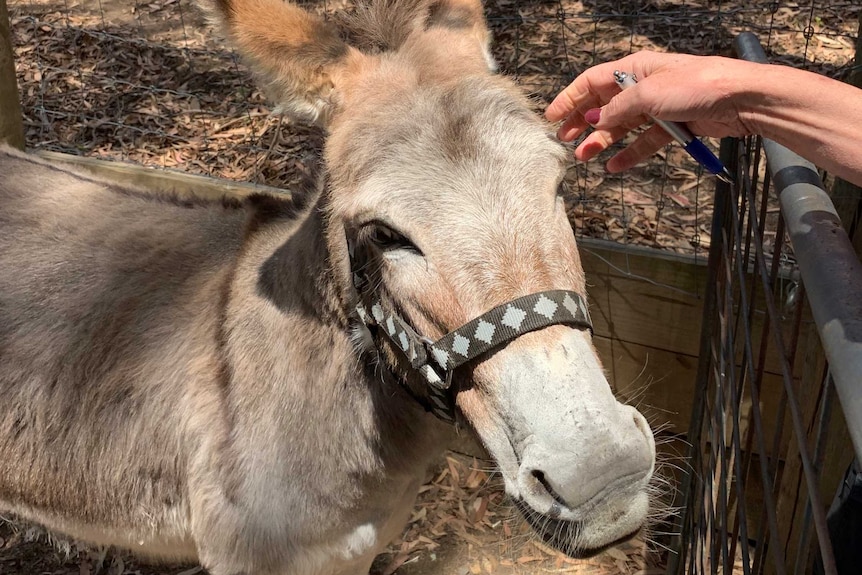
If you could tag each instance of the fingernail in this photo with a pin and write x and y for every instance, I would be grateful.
(593, 115)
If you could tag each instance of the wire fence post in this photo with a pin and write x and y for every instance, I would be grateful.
(686, 520)
(11, 121)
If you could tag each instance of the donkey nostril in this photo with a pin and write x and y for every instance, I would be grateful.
(641, 424)
(540, 477)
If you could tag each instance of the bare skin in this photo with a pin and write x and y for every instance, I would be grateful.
(815, 116)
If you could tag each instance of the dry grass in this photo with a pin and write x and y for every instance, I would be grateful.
(463, 523)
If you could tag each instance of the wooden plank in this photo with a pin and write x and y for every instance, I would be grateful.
(662, 383)
(838, 453)
(159, 180)
(644, 296)
(659, 382)
(655, 299)
(11, 121)
(792, 491)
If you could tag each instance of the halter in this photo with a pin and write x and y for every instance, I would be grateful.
(437, 360)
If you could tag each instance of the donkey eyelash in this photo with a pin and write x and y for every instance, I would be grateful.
(385, 238)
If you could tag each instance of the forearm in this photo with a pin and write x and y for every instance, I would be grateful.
(816, 117)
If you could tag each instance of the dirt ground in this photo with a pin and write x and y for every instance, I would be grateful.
(462, 525)
(146, 81)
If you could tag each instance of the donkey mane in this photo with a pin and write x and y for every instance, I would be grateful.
(384, 25)
(165, 197)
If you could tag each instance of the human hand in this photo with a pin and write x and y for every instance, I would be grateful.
(705, 92)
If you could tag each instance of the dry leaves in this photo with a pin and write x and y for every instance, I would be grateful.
(463, 515)
(148, 82)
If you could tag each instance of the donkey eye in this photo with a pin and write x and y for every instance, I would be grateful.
(387, 239)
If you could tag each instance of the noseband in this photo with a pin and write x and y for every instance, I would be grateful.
(437, 360)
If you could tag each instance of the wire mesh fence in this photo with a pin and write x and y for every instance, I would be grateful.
(148, 82)
(769, 443)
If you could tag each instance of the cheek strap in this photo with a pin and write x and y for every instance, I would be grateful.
(437, 360)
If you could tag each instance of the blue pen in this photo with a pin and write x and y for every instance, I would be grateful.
(683, 136)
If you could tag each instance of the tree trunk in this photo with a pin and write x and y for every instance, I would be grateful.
(11, 122)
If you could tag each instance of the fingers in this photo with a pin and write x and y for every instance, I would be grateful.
(627, 109)
(599, 141)
(644, 146)
(611, 124)
(614, 109)
(623, 109)
(573, 127)
(565, 102)
(596, 86)
(594, 99)
(591, 89)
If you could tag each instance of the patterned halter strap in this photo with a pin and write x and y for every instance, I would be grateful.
(437, 360)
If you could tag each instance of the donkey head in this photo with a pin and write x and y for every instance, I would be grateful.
(446, 182)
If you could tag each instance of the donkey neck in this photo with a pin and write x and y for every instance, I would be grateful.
(306, 277)
(297, 275)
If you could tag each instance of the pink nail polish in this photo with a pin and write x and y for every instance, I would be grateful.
(593, 115)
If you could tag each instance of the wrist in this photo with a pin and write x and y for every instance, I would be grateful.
(775, 101)
(811, 114)
(745, 92)
(762, 97)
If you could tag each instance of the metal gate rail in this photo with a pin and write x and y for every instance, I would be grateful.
(782, 331)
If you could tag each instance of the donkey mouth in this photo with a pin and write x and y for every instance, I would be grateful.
(562, 534)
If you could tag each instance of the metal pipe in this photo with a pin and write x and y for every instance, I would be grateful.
(830, 269)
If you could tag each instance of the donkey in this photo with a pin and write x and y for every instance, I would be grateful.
(260, 384)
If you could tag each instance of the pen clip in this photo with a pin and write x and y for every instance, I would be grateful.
(625, 79)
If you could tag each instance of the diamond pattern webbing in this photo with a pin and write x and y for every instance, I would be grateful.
(508, 321)
(484, 333)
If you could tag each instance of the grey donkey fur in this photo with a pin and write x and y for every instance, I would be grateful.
(173, 383)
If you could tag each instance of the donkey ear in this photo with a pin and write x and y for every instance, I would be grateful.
(466, 16)
(298, 57)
